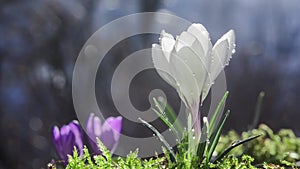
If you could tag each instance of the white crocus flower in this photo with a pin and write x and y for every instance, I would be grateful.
(191, 64)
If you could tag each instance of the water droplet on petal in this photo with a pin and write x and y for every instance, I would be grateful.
(233, 51)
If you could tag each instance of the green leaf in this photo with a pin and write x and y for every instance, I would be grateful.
(212, 122)
(161, 138)
(215, 137)
(168, 114)
(235, 144)
(168, 123)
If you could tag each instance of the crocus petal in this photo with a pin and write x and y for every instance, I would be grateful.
(191, 52)
(221, 55)
(230, 37)
(108, 133)
(167, 42)
(97, 126)
(75, 128)
(111, 130)
(107, 138)
(202, 35)
(57, 142)
(55, 133)
(161, 65)
(230, 44)
(199, 31)
(89, 125)
(186, 75)
(186, 83)
(93, 129)
(69, 145)
(66, 138)
(114, 122)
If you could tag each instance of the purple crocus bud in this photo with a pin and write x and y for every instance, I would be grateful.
(108, 133)
(66, 138)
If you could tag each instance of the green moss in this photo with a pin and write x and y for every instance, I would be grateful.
(270, 147)
(270, 151)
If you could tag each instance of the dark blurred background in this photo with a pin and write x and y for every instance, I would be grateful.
(40, 41)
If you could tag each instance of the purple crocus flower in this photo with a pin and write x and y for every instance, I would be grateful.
(66, 138)
(108, 133)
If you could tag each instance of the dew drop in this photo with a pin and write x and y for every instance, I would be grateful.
(194, 138)
(153, 135)
(176, 140)
(193, 130)
(233, 51)
(170, 129)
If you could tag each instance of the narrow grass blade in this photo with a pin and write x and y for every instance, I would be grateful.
(161, 138)
(212, 122)
(162, 115)
(163, 118)
(168, 113)
(171, 114)
(168, 123)
(257, 112)
(235, 144)
(215, 137)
